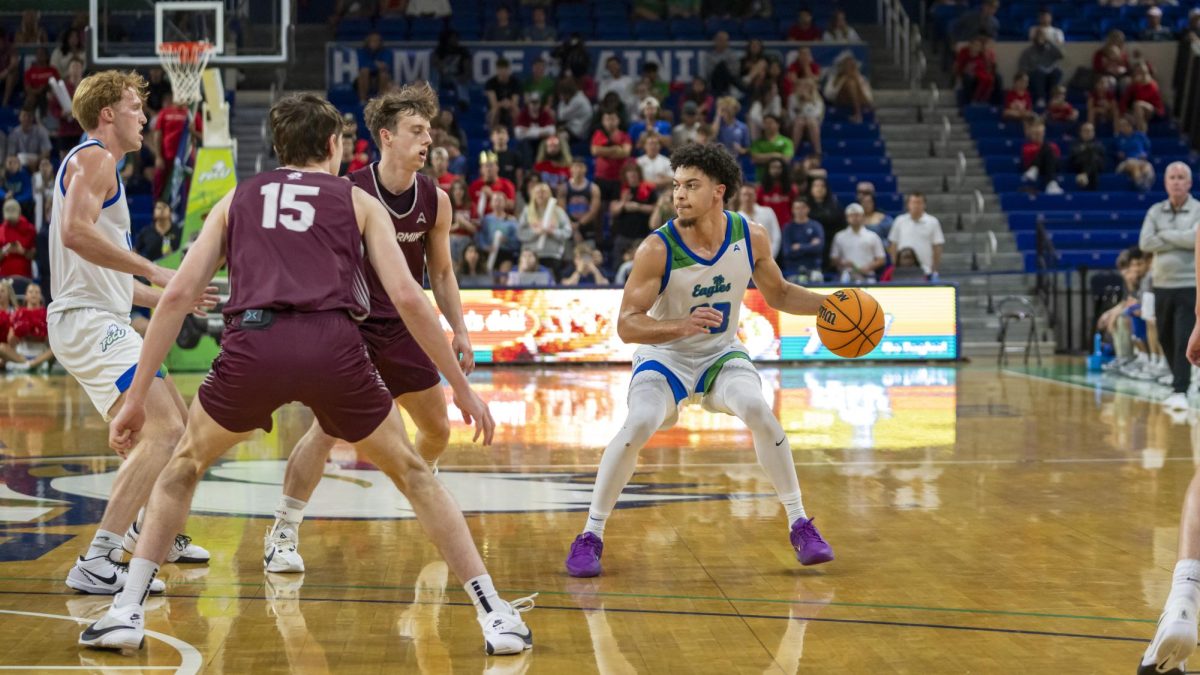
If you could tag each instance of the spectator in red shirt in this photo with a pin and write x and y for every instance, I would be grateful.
(439, 168)
(1102, 101)
(1111, 58)
(1061, 110)
(804, 30)
(489, 181)
(1018, 103)
(1039, 158)
(169, 126)
(18, 243)
(37, 80)
(1142, 99)
(975, 69)
(534, 123)
(69, 129)
(27, 332)
(804, 67)
(611, 147)
(777, 191)
(553, 163)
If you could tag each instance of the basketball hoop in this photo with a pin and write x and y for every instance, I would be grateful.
(184, 63)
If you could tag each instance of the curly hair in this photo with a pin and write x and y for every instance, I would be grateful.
(385, 110)
(711, 159)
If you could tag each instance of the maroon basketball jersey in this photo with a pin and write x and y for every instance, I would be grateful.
(413, 214)
(293, 244)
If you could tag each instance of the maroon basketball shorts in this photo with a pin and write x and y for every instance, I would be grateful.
(316, 358)
(402, 363)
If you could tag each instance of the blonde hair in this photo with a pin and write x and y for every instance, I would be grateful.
(103, 90)
(535, 214)
(9, 295)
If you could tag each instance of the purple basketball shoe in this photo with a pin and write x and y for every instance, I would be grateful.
(584, 558)
(811, 549)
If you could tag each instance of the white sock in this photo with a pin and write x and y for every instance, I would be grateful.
(290, 511)
(137, 584)
(483, 594)
(794, 506)
(1185, 585)
(595, 523)
(103, 542)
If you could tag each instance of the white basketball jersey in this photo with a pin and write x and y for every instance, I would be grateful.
(76, 283)
(690, 281)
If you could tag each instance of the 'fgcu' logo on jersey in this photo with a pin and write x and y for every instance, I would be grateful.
(718, 286)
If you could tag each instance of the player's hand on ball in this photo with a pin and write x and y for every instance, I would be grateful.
(702, 320)
(475, 411)
(125, 428)
(207, 300)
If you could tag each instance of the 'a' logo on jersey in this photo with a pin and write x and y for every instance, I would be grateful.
(718, 285)
(421, 218)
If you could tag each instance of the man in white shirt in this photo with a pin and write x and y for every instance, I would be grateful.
(752, 211)
(921, 232)
(1045, 25)
(612, 79)
(857, 253)
(655, 167)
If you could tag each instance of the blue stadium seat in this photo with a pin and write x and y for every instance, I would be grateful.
(650, 30)
(572, 11)
(688, 29)
(582, 25)
(763, 29)
(848, 182)
(354, 28)
(426, 29)
(1080, 239)
(393, 28)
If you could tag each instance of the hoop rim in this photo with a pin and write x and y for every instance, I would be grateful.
(186, 52)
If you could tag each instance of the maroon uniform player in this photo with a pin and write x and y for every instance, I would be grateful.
(421, 216)
(292, 238)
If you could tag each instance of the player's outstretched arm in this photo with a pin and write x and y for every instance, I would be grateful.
(779, 293)
(641, 290)
(445, 284)
(90, 175)
(414, 307)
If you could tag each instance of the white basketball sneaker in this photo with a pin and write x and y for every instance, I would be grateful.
(119, 628)
(279, 551)
(1174, 641)
(182, 550)
(101, 575)
(504, 632)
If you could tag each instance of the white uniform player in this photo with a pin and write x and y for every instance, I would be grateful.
(682, 303)
(92, 281)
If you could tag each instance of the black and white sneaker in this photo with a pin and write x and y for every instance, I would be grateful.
(182, 550)
(504, 631)
(102, 575)
(120, 628)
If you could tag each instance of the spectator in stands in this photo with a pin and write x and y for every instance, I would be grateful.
(659, 88)
(10, 67)
(1133, 154)
(510, 163)
(803, 245)
(18, 185)
(656, 168)
(971, 24)
(664, 209)
(28, 334)
(906, 269)
(1190, 34)
(614, 80)
(545, 229)
(720, 66)
(529, 272)
(1102, 101)
(1120, 323)
(806, 109)
(824, 208)
(18, 243)
(1169, 232)
(1039, 158)
(574, 109)
(540, 82)
(497, 236)
(754, 58)
(1040, 60)
(162, 237)
(803, 68)
(849, 89)
(471, 270)
(839, 30)
(535, 122)
(764, 100)
(1018, 102)
(553, 162)
(1045, 26)
(1111, 59)
(776, 190)
(43, 185)
(857, 253)
(975, 71)
(503, 93)
(754, 212)
(538, 30)
(458, 163)
(921, 232)
(157, 85)
(355, 150)
(1087, 158)
(1060, 111)
(874, 220)
(29, 140)
(439, 168)
(803, 173)
(31, 31)
(434, 9)
(730, 132)
(452, 63)
(69, 129)
(490, 183)
(585, 272)
(573, 57)
(374, 67)
(502, 29)
(771, 146)
(611, 147)
(631, 209)
(689, 125)
(804, 30)
(70, 47)
(169, 127)
(37, 80)
(463, 225)
(1155, 31)
(582, 199)
(1142, 99)
(650, 121)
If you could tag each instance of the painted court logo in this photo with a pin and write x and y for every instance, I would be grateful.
(114, 334)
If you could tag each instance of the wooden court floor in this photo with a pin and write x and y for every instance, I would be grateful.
(983, 521)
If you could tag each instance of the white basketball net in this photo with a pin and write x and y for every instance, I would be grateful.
(184, 63)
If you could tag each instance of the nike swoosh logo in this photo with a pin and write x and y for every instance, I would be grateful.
(781, 441)
(268, 557)
(527, 637)
(91, 633)
(108, 580)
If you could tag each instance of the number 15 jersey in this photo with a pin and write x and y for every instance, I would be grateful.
(690, 281)
(293, 244)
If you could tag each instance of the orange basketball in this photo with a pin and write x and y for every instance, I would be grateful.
(850, 323)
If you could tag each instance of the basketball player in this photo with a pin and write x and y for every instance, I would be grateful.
(420, 213)
(88, 323)
(681, 304)
(292, 238)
